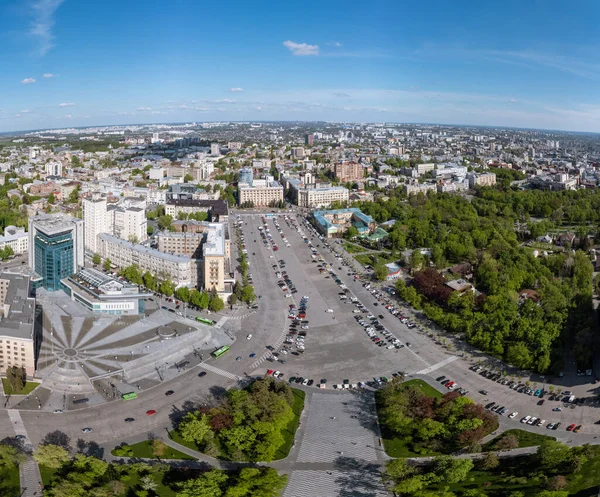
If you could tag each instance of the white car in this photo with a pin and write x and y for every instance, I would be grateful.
(329, 310)
(248, 337)
(288, 295)
(525, 419)
(305, 382)
(355, 311)
(532, 420)
(513, 415)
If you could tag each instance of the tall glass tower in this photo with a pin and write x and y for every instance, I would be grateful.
(56, 248)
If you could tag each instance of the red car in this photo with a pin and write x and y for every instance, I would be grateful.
(449, 384)
(269, 372)
(151, 412)
(571, 427)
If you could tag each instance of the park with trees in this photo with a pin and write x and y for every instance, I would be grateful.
(488, 232)
(257, 423)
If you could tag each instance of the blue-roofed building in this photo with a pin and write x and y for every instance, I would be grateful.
(334, 223)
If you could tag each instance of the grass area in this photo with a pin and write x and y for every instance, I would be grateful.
(526, 438)
(290, 431)
(425, 387)
(144, 450)
(9, 482)
(288, 434)
(47, 474)
(366, 259)
(352, 248)
(27, 389)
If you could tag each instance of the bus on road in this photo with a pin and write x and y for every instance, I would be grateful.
(220, 351)
(209, 322)
(129, 396)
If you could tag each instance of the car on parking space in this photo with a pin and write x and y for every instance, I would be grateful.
(249, 336)
(525, 419)
(129, 420)
(557, 409)
(169, 392)
(577, 429)
(440, 378)
(571, 427)
(202, 373)
(513, 415)
(87, 430)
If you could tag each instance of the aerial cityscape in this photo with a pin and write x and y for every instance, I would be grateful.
(299, 250)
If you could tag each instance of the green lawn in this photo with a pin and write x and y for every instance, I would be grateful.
(288, 434)
(27, 389)
(526, 438)
(47, 474)
(352, 248)
(425, 387)
(9, 482)
(144, 450)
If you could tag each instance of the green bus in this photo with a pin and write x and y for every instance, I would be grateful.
(129, 396)
(220, 351)
(209, 322)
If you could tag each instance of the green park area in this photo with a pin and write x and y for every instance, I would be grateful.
(512, 439)
(149, 449)
(27, 388)
(257, 423)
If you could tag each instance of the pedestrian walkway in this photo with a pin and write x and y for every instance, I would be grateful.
(222, 321)
(31, 479)
(440, 364)
(221, 372)
(17, 423)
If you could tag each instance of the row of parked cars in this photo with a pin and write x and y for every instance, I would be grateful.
(452, 385)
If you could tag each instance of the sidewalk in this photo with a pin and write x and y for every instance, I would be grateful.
(31, 479)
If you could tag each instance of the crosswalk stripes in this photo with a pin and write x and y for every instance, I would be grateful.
(221, 372)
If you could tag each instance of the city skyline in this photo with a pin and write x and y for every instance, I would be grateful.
(68, 64)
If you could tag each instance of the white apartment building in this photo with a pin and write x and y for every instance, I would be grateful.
(485, 179)
(15, 238)
(261, 196)
(156, 196)
(321, 197)
(156, 173)
(182, 271)
(54, 168)
(128, 223)
(95, 221)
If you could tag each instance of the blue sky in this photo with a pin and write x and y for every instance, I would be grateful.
(531, 63)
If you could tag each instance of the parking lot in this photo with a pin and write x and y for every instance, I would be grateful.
(337, 347)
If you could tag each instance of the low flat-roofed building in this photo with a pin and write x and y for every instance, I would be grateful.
(336, 222)
(15, 238)
(103, 294)
(17, 325)
(217, 209)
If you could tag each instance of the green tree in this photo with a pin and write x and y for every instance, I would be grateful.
(10, 457)
(351, 233)
(489, 461)
(451, 470)
(74, 196)
(183, 294)
(51, 199)
(188, 178)
(16, 378)
(96, 259)
(165, 222)
(150, 281)
(233, 299)
(166, 288)
(553, 455)
(195, 427)
(209, 484)
(519, 355)
(150, 230)
(106, 264)
(248, 295)
(216, 304)
(148, 483)
(51, 456)
(380, 272)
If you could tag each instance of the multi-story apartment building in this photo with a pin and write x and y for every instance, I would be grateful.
(349, 171)
(95, 221)
(15, 238)
(17, 325)
(485, 179)
(217, 209)
(54, 168)
(181, 270)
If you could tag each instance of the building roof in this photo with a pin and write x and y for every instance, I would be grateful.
(215, 240)
(19, 321)
(51, 224)
(142, 249)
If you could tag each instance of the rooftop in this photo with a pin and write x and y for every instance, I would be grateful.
(144, 250)
(51, 224)
(19, 321)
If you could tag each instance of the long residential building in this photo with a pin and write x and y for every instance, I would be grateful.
(15, 238)
(315, 195)
(261, 195)
(181, 270)
(17, 325)
(217, 209)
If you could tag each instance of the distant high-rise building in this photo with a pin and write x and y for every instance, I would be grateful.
(297, 152)
(155, 138)
(245, 175)
(54, 168)
(309, 139)
(95, 221)
(55, 247)
(215, 149)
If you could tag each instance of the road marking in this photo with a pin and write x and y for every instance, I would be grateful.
(430, 369)
(17, 422)
(221, 322)
(222, 372)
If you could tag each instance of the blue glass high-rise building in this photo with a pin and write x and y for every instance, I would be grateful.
(55, 248)
(246, 175)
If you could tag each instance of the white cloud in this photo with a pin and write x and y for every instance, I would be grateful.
(235, 90)
(335, 43)
(27, 81)
(26, 111)
(144, 109)
(68, 116)
(225, 101)
(66, 104)
(301, 48)
(43, 22)
(48, 75)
